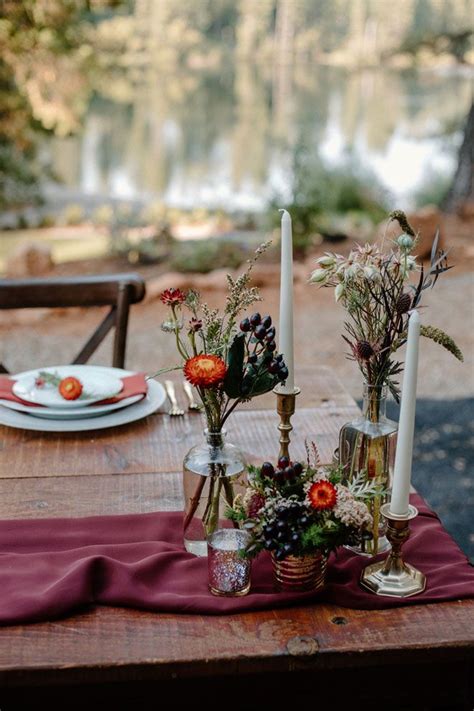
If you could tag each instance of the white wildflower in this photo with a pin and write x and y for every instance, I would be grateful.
(351, 512)
(368, 249)
(327, 261)
(276, 503)
(318, 276)
(408, 265)
(352, 271)
(372, 273)
(339, 291)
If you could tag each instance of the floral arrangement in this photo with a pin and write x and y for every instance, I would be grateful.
(296, 510)
(226, 364)
(378, 291)
(228, 361)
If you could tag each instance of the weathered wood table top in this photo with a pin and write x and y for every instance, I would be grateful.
(135, 468)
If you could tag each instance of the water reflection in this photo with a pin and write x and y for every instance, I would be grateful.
(227, 138)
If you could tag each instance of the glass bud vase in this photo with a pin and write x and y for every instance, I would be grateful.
(367, 450)
(213, 474)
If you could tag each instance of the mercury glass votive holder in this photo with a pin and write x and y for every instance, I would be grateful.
(229, 570)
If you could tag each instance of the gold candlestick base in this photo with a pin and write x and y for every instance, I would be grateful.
(285, 409)
(392, 577)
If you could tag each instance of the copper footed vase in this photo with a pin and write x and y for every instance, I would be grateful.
(300, 573)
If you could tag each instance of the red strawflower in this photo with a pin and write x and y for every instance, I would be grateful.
(205, 371)
(173, 297)
(255, 504)
(322, 495)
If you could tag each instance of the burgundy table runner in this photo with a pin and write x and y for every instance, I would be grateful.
(52, 567)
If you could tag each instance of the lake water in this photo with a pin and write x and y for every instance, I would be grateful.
(226, 139)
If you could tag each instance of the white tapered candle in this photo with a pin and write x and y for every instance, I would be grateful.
(406, 427)
(286, 302)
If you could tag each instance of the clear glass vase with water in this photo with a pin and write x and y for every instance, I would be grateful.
(367, 450)
(213, 474)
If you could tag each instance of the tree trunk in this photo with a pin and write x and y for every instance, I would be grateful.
(462, 187)
(284, 31)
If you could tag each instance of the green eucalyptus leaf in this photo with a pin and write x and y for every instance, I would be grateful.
(264, 383)
(235, 366)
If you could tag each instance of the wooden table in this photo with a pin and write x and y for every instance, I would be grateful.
(418, 657)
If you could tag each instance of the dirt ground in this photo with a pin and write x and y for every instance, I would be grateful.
(31, 337)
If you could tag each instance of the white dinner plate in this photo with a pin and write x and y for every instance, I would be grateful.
(155, 397)
(99, 383)
(51, 413)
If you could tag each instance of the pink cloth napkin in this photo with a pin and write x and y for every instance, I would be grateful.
(52, 567)
(132, 385)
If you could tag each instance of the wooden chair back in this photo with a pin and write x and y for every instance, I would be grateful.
(118, 291)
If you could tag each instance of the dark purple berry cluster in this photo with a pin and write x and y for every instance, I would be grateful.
(262, 337)
(283, 534)
(285, 472)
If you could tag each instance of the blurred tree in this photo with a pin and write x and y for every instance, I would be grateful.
(170, 31)
(17, 175)
(43, 56)
(462, 187)
(423, 18)
(285, 21)
(358, 20)
(254, 24)
(249, 142)
(50, 50)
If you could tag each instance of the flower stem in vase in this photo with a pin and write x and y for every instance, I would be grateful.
(376, 468)
(220, 468)
(211, 521)
(194, 502)
(229, 491)
(367, 450)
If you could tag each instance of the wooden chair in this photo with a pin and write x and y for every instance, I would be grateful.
(118, 291)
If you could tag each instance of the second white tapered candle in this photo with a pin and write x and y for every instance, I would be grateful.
(406, 426)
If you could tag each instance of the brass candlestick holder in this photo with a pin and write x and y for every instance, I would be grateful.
(393, 577)
(285, 409)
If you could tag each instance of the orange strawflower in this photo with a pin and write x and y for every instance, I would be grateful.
(322, 495)
(205, 371)
(70, 388)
